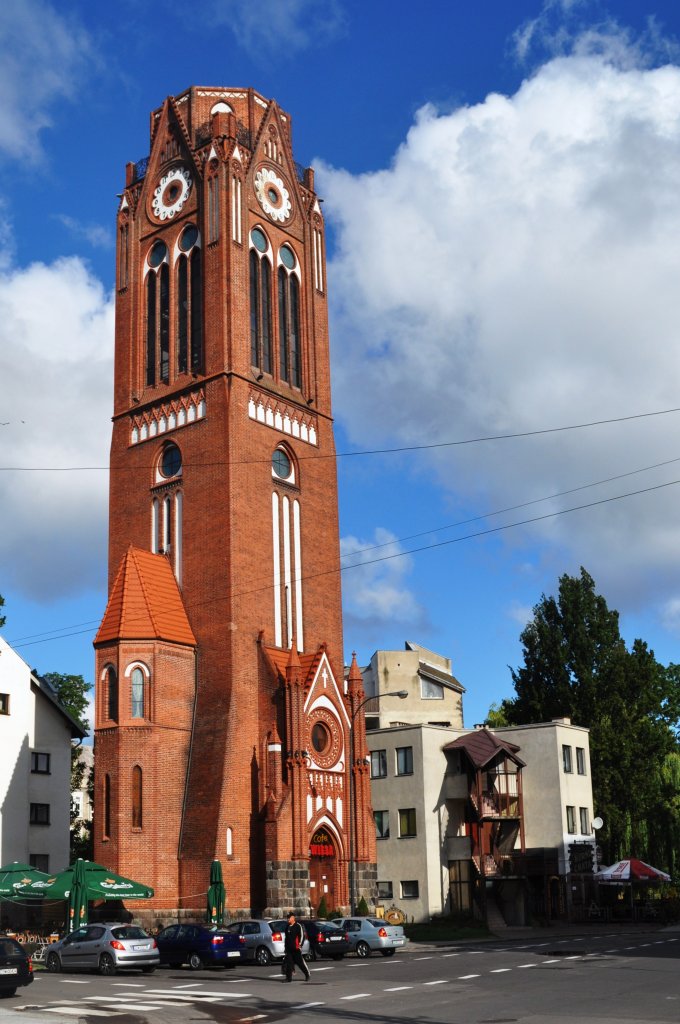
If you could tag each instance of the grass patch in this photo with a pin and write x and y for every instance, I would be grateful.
(446, 929)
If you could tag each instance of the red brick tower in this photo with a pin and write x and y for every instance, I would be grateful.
(223, 719)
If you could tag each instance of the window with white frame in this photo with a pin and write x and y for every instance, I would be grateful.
(382, 824)
(378, 764)
(385, 891)
(404, 760)
(571, 820)
(566, 758)
(584, 820)
(581, 760)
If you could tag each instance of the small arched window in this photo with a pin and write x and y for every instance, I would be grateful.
(137, 815)
(137, 693)
(112, 694)
(289, 317)
(260, 301)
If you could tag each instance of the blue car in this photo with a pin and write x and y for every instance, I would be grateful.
(199, 946)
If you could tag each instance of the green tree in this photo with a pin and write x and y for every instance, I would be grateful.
(576, 664)
(72, 692)
(497, 716)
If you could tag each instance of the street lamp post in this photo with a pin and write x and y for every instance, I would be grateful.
(402, 694)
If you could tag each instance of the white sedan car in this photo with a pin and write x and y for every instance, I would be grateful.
(368, 933)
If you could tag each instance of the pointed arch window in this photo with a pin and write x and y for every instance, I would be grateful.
(137, 797)
(289, 317)
(112, 694)
(260, 301)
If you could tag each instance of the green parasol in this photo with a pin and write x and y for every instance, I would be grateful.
(84, 881)
(216, 893)
(13, 878)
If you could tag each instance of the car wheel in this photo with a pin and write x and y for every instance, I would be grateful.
(148, 970)
(262, 956)
(195, 962)
(363, 949)
(107, 965)
(52, 963)
(388, 952)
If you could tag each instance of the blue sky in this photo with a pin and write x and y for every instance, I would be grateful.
(502, 195)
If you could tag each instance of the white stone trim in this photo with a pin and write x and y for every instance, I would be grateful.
(285, 419)
(171, 415)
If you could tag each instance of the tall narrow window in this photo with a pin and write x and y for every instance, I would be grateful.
(289, 317)
(112, 693)
(123, 257)
(136, 797)
(137, 692)
(213, 209)
(260, 302)
(107, 806)
(157, 314)
(189, 302)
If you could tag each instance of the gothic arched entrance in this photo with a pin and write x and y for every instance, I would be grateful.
(322, 865)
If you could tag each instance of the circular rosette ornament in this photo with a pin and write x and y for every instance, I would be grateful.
(171, 193)
(272, 195)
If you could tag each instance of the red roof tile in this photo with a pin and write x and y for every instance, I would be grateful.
(145, 603)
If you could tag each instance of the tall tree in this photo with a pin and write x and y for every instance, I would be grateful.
(576, 664)
(72, 692)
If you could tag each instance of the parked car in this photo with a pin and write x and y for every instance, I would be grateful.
(368, 933)
(199, 946)
(326, 939)
(263, 940)
(106, 948)
(15, 967)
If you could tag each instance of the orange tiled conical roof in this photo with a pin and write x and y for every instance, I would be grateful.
(145, 603)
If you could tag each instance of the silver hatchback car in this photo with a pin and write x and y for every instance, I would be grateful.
(263, 940)
(105, 948)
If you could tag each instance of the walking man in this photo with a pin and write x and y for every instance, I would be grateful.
(295, 936)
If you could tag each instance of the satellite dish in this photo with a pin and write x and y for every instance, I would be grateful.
(597, 823)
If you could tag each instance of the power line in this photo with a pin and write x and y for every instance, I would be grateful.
(367, 451)
(425, 547)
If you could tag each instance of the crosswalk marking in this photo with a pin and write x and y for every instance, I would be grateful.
(398, 988)
(357, 995)
(441, 982)
(500, 970)
(466, 977)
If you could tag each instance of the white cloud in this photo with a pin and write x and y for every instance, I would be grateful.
(280, 27)
(43, 56)
(520, 613)
(94, 234)
(517, 268)
(375, 592)
(56, 372)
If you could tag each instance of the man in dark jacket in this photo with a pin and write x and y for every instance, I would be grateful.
(295, 936)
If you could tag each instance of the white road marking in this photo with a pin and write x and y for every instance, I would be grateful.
(71, 981)
(423, 958)
(520, 966)
(357, 995)
(305, 1006)
(75, 1011)
(194, 995)
(192, 984)
(444, 955)
(322, 969)
(442, 982)
(257, 1016)
(137, 1007)
(549, 961)
(127, 984)
(574, 957)
(500, 970)
(466, 977)
(398, 988)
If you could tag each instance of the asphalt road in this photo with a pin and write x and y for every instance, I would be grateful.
(600, 978)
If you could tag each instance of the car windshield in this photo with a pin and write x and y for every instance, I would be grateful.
(9, 948)
(129, 932)
(376, 922)
(233, 927)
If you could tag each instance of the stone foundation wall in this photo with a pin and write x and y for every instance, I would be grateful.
(287, 884)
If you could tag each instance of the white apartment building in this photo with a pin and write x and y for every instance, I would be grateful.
(35, 767)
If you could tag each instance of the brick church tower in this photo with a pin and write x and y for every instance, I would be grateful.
(222, 713)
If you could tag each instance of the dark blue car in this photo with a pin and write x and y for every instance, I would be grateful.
(198, 946)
